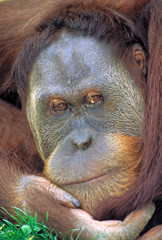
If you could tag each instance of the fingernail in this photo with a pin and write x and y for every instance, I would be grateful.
(75, 201)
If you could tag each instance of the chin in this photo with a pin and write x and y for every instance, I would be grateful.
(92, 192)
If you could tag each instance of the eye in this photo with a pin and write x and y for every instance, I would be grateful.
(94, 99)
(58, 106)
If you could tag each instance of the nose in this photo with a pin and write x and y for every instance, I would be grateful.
(81, 139)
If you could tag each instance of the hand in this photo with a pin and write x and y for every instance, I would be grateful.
(38, 195)
(38, 189)
(128, 229)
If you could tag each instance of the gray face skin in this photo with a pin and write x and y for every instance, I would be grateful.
(85, 113)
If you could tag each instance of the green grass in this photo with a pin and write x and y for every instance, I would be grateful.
(26, 227)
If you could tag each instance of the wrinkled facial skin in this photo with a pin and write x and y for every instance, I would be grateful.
(85, 113)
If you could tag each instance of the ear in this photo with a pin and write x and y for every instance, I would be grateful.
(140, 57)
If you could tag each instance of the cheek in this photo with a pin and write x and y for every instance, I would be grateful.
(42, 129)
(128, 158)
(128, 151)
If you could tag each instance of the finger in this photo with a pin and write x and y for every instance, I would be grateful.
(63, 197)
(53, 191)
(137, 220)
(153, 234)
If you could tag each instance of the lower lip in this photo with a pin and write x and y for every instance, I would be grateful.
(99, 179)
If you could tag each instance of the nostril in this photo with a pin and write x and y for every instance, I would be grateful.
(87, 144)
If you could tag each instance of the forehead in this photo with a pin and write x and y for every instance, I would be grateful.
(71, 60)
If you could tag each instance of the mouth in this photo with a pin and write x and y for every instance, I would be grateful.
(96, 179)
